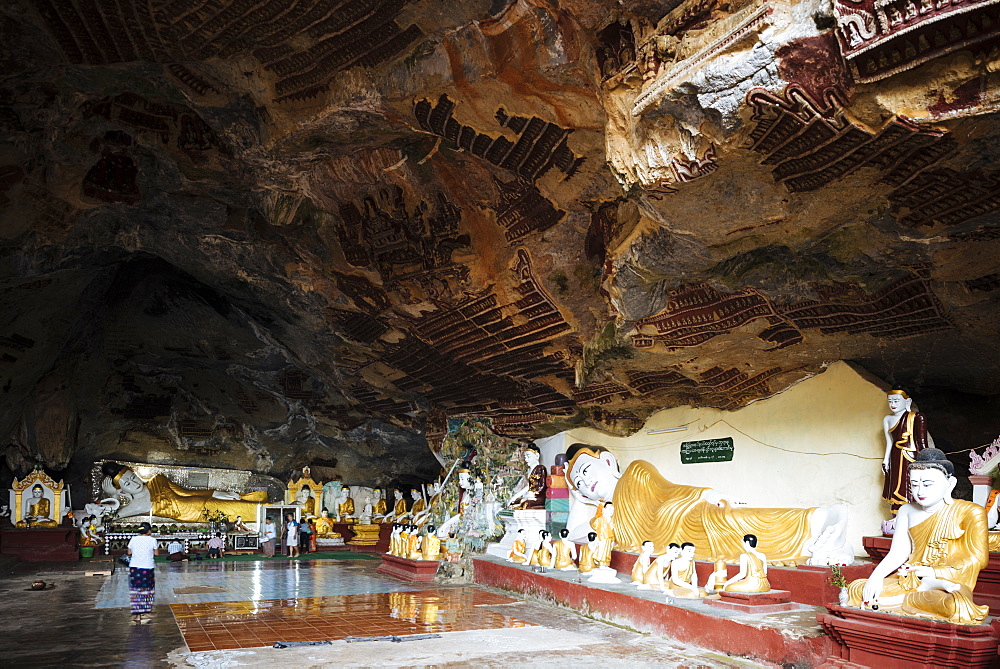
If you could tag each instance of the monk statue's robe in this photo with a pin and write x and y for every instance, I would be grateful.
(399, 509)
(518, 552)
(172, 501)
(755, 579)
(379, 509)
(953, 542)
(910, 432)
(418, 506)
(649, 507)
(430, 547)
(346, 509)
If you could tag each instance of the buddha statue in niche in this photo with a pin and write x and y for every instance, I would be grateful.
(37, 509)
(166, 499)
(936, 553)
(647, 506)
(530, 494)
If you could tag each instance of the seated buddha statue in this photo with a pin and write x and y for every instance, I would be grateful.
(647, 506)
(378, 509)
(752, 576)
(345, 506)
(162, 497)
(37, 509)
(419, 511)
(936, 553)
(324, 525)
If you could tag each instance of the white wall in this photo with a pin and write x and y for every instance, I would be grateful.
(818, 443)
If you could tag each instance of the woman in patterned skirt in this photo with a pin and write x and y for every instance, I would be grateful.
(141, 581)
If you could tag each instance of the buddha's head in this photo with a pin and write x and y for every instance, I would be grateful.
(303, 495)
(932, 478)
(37, 492)
(532, 455)
(325, 513)
(464, 479)
(899, 401)
(687, 549)
(415, 494)
(398, 494)
(118, 477)
(592, 471)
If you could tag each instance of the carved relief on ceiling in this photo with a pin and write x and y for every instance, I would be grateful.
(881, 38)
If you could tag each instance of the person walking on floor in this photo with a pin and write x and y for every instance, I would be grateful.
(141, 579)
(270, 538)
(292, 536)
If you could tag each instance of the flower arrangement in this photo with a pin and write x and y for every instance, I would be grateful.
(837, 577)
(214, 516)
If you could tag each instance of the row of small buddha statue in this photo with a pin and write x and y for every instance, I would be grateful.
(673, 572)
(406, 541)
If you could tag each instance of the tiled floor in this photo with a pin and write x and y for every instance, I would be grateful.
(186, 582)
(228, 625)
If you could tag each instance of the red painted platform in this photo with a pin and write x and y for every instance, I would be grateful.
(987, 586)
(807, 585)
(772, 601)
(779, 644)
(408, 570)
(888, 641)
(41, 544)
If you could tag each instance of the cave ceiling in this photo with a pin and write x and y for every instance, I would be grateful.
(273, 233)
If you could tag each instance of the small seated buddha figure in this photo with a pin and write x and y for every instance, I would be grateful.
(565, 552)
(37, 509)
(587, 563)
(752, 576)
(519, 549)
(378, 510)
(683, 582)
(419, 511)
(324, 524)
(413, 543)
(345, 506)
(430, 547)
(936, 554)
(642, 563)
(543, 555)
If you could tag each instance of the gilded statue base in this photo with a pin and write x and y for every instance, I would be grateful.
(364, 535)
(888, 641)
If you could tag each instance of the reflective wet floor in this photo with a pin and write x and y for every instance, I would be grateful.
(231, 614)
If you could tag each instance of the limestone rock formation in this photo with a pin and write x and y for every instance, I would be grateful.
(267, 234)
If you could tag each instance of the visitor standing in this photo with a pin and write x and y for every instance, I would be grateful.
(141, 581)
(304, 534)
(292, 536)
(270, 538)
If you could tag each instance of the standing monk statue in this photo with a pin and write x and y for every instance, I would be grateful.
(905, 436)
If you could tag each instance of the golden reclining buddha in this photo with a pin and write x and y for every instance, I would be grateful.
(166, 499)
(649, 507)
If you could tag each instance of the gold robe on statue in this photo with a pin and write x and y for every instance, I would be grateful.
(564, 554)
(649, 507)
(755, 579)
(518, 549)
(172, 501)
(953, 542)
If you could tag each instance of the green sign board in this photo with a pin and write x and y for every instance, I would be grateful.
(708, 450)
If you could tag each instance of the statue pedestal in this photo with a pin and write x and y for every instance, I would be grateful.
(421, 571)
(529, 520)
(771, 601)
(807, 584)
(364, 535)
(888, 641)
(41, 544)
(987, 585)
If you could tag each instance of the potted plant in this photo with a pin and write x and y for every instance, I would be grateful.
(838, 581)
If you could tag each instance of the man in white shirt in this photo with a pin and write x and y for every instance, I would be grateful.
(270, 538)
(141, 579)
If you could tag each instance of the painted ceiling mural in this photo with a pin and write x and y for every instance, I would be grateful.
(301, 231)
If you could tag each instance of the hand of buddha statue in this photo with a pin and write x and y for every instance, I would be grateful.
(871, 592)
